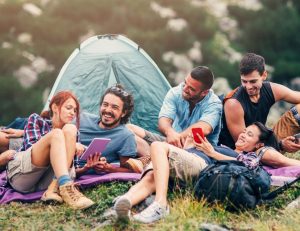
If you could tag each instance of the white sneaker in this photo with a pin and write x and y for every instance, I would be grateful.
(122, 207)
(153, 213)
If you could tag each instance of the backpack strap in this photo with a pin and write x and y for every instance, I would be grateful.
(276, 192)
(230, 94)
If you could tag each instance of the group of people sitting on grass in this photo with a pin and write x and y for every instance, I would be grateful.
(47, 158)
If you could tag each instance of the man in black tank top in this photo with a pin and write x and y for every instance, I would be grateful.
(252, 101)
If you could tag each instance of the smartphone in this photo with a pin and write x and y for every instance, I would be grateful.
(297, 138)
(196, 131)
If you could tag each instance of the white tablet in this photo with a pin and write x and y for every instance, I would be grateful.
(97, 145)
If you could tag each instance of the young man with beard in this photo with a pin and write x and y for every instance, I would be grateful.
(252, 101)
(116, 106)
(190, 104)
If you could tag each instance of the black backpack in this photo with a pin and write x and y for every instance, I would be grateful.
(232, 182)
(235, 184)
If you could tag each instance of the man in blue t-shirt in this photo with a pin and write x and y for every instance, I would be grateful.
(116, 106)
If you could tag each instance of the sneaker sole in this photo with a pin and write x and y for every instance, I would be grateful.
(122, 208)
(51, 201)
(83, 206)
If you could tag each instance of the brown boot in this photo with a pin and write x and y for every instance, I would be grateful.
(51, 194)
(137, 165)
(73, 197)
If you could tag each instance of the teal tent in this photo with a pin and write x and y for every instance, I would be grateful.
(102, 61)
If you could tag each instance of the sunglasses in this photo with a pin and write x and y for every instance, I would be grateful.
(119, 90)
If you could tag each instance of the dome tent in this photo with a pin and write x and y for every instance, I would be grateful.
(104, 60)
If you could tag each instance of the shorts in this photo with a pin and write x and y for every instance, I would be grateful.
(15, 143)
(151, 137)
(287, 125)
(185, 166)
(25, 177)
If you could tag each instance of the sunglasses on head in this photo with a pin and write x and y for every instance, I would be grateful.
(119, 90)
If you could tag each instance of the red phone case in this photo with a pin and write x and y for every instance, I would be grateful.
(196, 131)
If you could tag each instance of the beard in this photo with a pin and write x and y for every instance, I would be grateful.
(190, 98)
(112, 123)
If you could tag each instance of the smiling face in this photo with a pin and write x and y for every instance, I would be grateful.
(252, 82)
(192, 90)
(248, 140)
(111, 111)
(64, 114)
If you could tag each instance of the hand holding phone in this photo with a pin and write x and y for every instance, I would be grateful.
(197, 131)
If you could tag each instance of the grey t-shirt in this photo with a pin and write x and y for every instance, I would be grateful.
(122, 142)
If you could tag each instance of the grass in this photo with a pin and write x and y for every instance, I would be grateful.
(186, 213)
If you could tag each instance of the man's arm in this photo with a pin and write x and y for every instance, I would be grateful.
(234, 115)
(13, 133)
(206, 127)
(167, 115)
(173, 137)
(284, 93)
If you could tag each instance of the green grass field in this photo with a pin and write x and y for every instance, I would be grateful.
(186, 214)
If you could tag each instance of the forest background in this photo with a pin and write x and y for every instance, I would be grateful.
(37, 37)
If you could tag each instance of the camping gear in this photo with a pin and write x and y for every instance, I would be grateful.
(240, 187)
(104, 60)
(234, 183)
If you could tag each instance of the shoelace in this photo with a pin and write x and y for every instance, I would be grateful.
(154, 208)
(73, 192)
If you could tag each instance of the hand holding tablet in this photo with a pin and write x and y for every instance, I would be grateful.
(97, 145)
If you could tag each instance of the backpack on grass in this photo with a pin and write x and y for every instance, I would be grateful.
(232, 182)
(236, 185)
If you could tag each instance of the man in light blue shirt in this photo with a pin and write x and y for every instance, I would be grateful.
(188, 105)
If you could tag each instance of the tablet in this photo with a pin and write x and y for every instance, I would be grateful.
(97, 145)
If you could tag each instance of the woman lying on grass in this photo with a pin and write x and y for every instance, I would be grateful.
(185, 165)
(47, 153)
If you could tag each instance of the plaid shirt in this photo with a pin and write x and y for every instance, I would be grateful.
(250, 159)
(35, 128)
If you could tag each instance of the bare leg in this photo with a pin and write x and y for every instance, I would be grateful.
(159, 157)
(6, 156)
(143, 148)
(141, 190)
(51, 148)
(70, 132)
(140, 132)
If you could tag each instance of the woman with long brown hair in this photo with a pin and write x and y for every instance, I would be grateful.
(47, 153)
